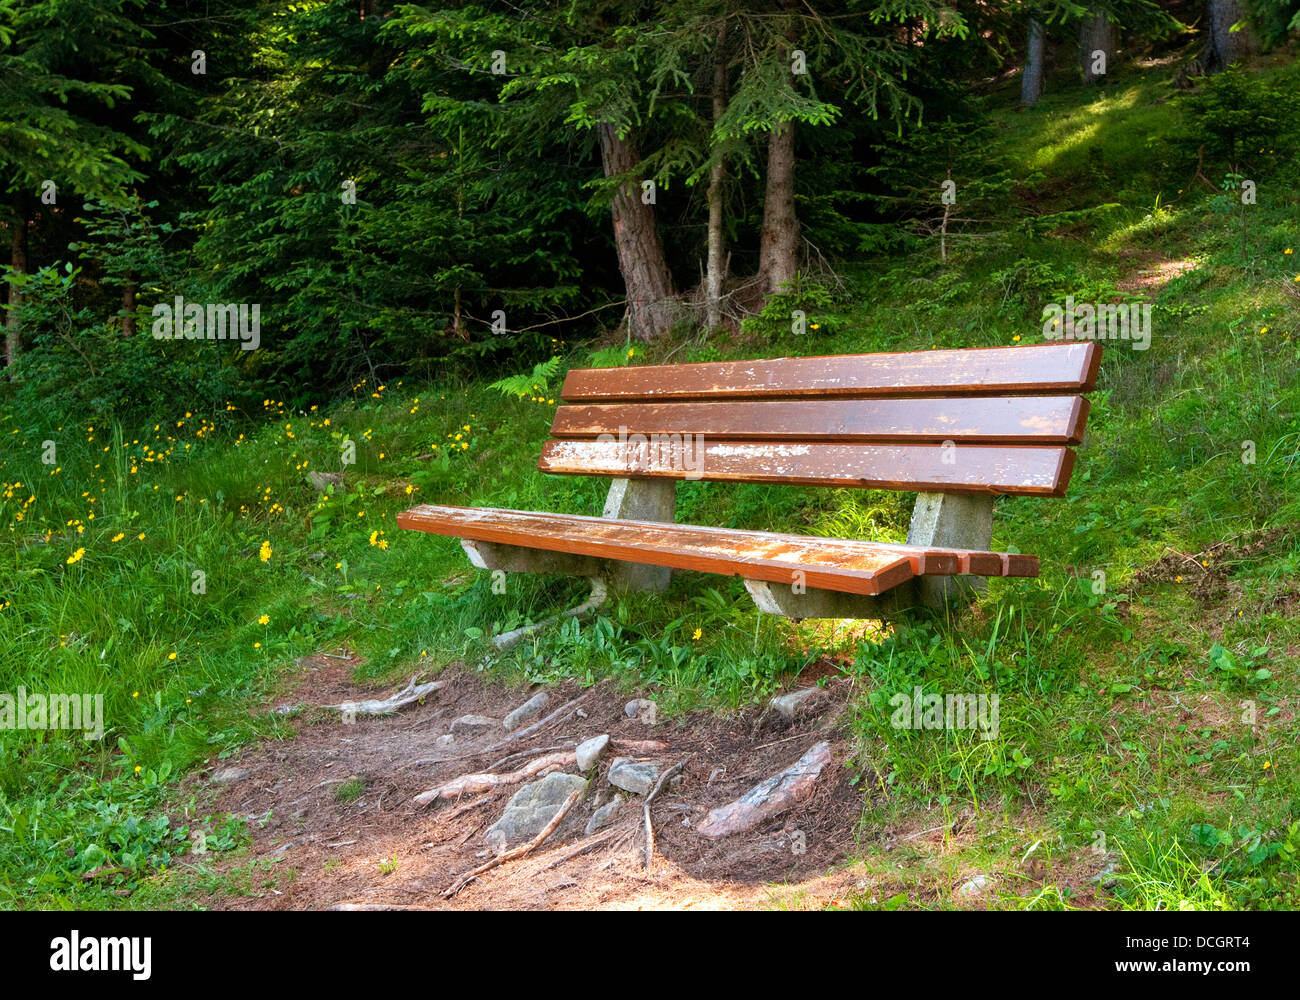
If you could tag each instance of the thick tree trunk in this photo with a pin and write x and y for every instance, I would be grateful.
(128, 307)
(1031, 81)
(1096, 35)
(650, 295)
(1223, 47)
(778, 246)
(18, 261)
(714, 276)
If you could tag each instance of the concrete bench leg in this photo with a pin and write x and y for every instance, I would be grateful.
(781, 599)
(950, 520)
(641, 500)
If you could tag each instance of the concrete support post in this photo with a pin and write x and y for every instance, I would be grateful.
(950, 520)
(641, 500)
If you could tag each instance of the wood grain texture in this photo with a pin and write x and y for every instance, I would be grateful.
(993, 420)
(828, 563)
(983, 371)
(972, 468)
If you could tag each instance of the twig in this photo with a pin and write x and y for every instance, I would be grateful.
(583, 849)
(672, 772)
(521, 754)
(374, 706)
(484, 782)
(518, 852)
(520, 734)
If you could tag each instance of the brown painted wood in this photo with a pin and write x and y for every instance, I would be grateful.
(982, 371)
(831, 563)
(993, 420)
(857, 568)
(974, 468)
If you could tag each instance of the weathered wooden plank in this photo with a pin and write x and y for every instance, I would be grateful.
(816, 562)
(981, 371)
(774, 557)
(972, 468)
(992, 420)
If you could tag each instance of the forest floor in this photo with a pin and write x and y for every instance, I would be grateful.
(375, 848)
(382, 849)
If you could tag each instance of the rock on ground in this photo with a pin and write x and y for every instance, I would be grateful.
(528, 710)
(531, 808)
(229, 774)
(643, 709)
(768, 798)
(636, 776)
(471, 725)
(590, 751)
(603, 816)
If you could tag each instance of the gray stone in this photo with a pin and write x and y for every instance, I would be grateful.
(636, 776)
(787, 705)
(527, 711)
(229, 774)
(446, 740)
(471, 725)
(643, 709)
(531, 808)
(603, 816)
(590, 751)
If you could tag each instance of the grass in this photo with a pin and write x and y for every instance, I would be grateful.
(1146, 680)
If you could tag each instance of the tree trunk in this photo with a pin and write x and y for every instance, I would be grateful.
(18, 261)
(777, 249)
(649, 283)
(128, 307)
(1031, 81)
(1223, 47)
(1096, 35)
(713, 276)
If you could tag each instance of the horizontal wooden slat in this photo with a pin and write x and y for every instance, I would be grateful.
(974, 468)
(986, 371)
(826, 563)
(1002, 419)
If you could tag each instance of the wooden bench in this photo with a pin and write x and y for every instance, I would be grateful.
(959, 427)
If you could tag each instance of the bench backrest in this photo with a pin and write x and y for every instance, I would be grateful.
(983, 420)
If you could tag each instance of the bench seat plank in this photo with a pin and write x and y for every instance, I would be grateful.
(993, 420)
(827, 563)
(978, 371)
(982, 469)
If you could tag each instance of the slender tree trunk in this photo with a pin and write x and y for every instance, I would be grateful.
(778, 246)
(128, 307)
(18, 261)
(650, 294)
(1223, 47)
(1096, 35)
(714, 276)
(1031, 81)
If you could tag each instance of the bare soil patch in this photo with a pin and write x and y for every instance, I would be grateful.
(372, 847)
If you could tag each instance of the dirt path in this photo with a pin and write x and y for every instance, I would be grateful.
(371, 846)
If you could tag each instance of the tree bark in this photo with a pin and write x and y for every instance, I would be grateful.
(1031, 80)
(1096, 34)
(128, 307)
(1223, 47)
(714, 277)
(650, 294)
(777, 250)
(18, 261)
